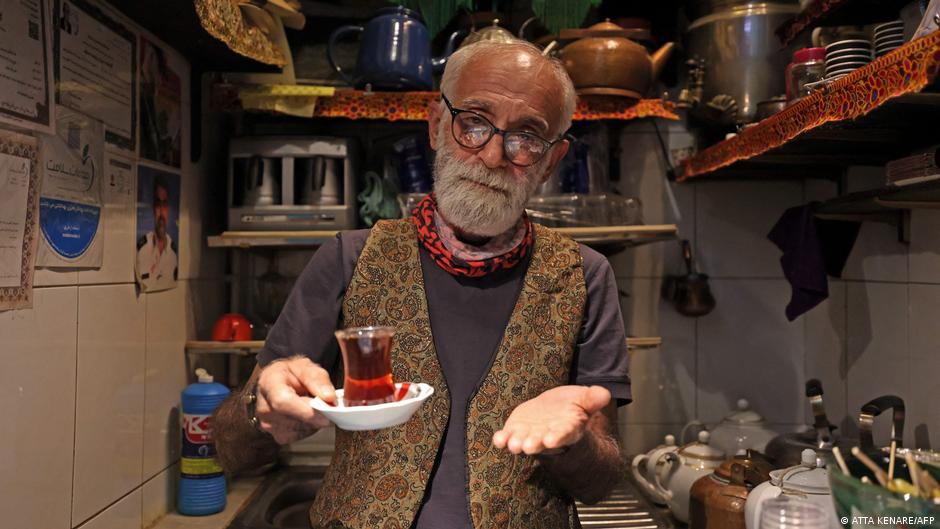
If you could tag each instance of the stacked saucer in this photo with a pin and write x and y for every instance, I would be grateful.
(888, 36)
(845, 56)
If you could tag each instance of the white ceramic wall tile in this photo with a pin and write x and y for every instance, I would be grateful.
(640, 438)
(54, 277)
(159, 495)
(665, 258)
(167, 313)
(861, 178)
(732, 221)
(819, 190)
(124, 514)
(924, 250)
(877, 255)
(825, 352)
(110, 397)
(748, 349)
(923, 413)
(663, 379)
(37, 402)
(120, 223)
(878, 357)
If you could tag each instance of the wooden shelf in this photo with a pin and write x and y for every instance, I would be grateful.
(252, 347)
(602, 237)
(869, 117)
(244, 348)
(413, 106)
(883, 201)
(839, 13)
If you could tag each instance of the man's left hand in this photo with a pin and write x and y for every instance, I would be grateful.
(555, 419)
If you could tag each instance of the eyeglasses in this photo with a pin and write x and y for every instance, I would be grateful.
(473, 131)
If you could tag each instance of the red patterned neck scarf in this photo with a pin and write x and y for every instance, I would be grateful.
(423, 217)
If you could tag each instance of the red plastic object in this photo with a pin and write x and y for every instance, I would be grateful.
(231, 328)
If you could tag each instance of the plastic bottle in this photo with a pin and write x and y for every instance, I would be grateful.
(202, 483)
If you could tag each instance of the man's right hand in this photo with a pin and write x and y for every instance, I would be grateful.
(285, 389)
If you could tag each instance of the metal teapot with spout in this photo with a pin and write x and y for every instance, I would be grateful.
(604, 61)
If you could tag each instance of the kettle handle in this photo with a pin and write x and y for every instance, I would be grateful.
(438, 63)
(334, 38)
(638, 461)
(873, 409)
(672, 461)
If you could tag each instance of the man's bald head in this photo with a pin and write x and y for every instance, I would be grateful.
(528, 61)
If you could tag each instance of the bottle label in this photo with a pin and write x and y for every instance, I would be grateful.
(198, 451)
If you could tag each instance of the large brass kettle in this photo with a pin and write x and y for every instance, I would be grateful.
(605, 61)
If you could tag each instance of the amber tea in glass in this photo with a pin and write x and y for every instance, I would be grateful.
(367, 359)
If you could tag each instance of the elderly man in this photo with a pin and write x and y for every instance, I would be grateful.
(518, 329)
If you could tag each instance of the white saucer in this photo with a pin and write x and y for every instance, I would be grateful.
(377, 416)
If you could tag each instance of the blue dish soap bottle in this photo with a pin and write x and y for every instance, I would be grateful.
(202, 483)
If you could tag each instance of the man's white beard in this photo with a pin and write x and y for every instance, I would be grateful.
(474, 209)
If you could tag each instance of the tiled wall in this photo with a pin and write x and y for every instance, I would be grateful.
(92, 375)
(875, 335)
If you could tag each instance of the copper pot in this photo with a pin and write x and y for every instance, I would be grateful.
(605, 61)
(717, 500)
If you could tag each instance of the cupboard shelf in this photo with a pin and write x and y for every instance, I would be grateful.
(883, 201)
(248, 348)
(413, 106)
(839, 13)
(601, 237)
(871, 116)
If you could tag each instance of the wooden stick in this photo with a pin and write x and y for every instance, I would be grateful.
(879, 474)
(841, 460)
(914, 469)
(894, 448)
(929, 482)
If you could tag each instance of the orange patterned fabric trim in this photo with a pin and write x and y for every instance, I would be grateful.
(413, 106)
(806, 18)
(905, 70)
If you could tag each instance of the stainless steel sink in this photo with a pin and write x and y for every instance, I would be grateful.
(283, 502)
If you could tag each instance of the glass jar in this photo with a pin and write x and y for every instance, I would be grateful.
(808, 66)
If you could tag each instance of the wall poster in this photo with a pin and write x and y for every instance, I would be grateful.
(161, 124)
(96, 68)
(70, 205)
(19, 216)
(158, 214)
(26, 56)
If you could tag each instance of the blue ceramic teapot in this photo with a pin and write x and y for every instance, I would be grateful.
(395, 53)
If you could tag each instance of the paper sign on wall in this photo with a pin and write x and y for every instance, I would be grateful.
(26, 53)
(70, 206)
(96, 68)
(19, 200)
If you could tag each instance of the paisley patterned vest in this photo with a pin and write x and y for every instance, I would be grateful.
(377, 478)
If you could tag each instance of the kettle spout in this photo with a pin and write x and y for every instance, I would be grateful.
(660, 57)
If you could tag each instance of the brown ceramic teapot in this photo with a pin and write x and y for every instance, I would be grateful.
(717, 500)
(605, 61)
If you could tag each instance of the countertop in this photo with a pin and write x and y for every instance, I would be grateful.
(240, 491)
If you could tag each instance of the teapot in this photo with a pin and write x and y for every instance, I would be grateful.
(493, 32)
(645, 466)
(605, 61)
(681, 469)
(717, 500)
(742, 430)
(786, 449)
(395, 53)
(809, 480)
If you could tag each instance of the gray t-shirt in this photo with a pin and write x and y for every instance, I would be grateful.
(468, 317)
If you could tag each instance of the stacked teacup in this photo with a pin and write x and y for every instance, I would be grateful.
(888, 36)
(845, 56)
